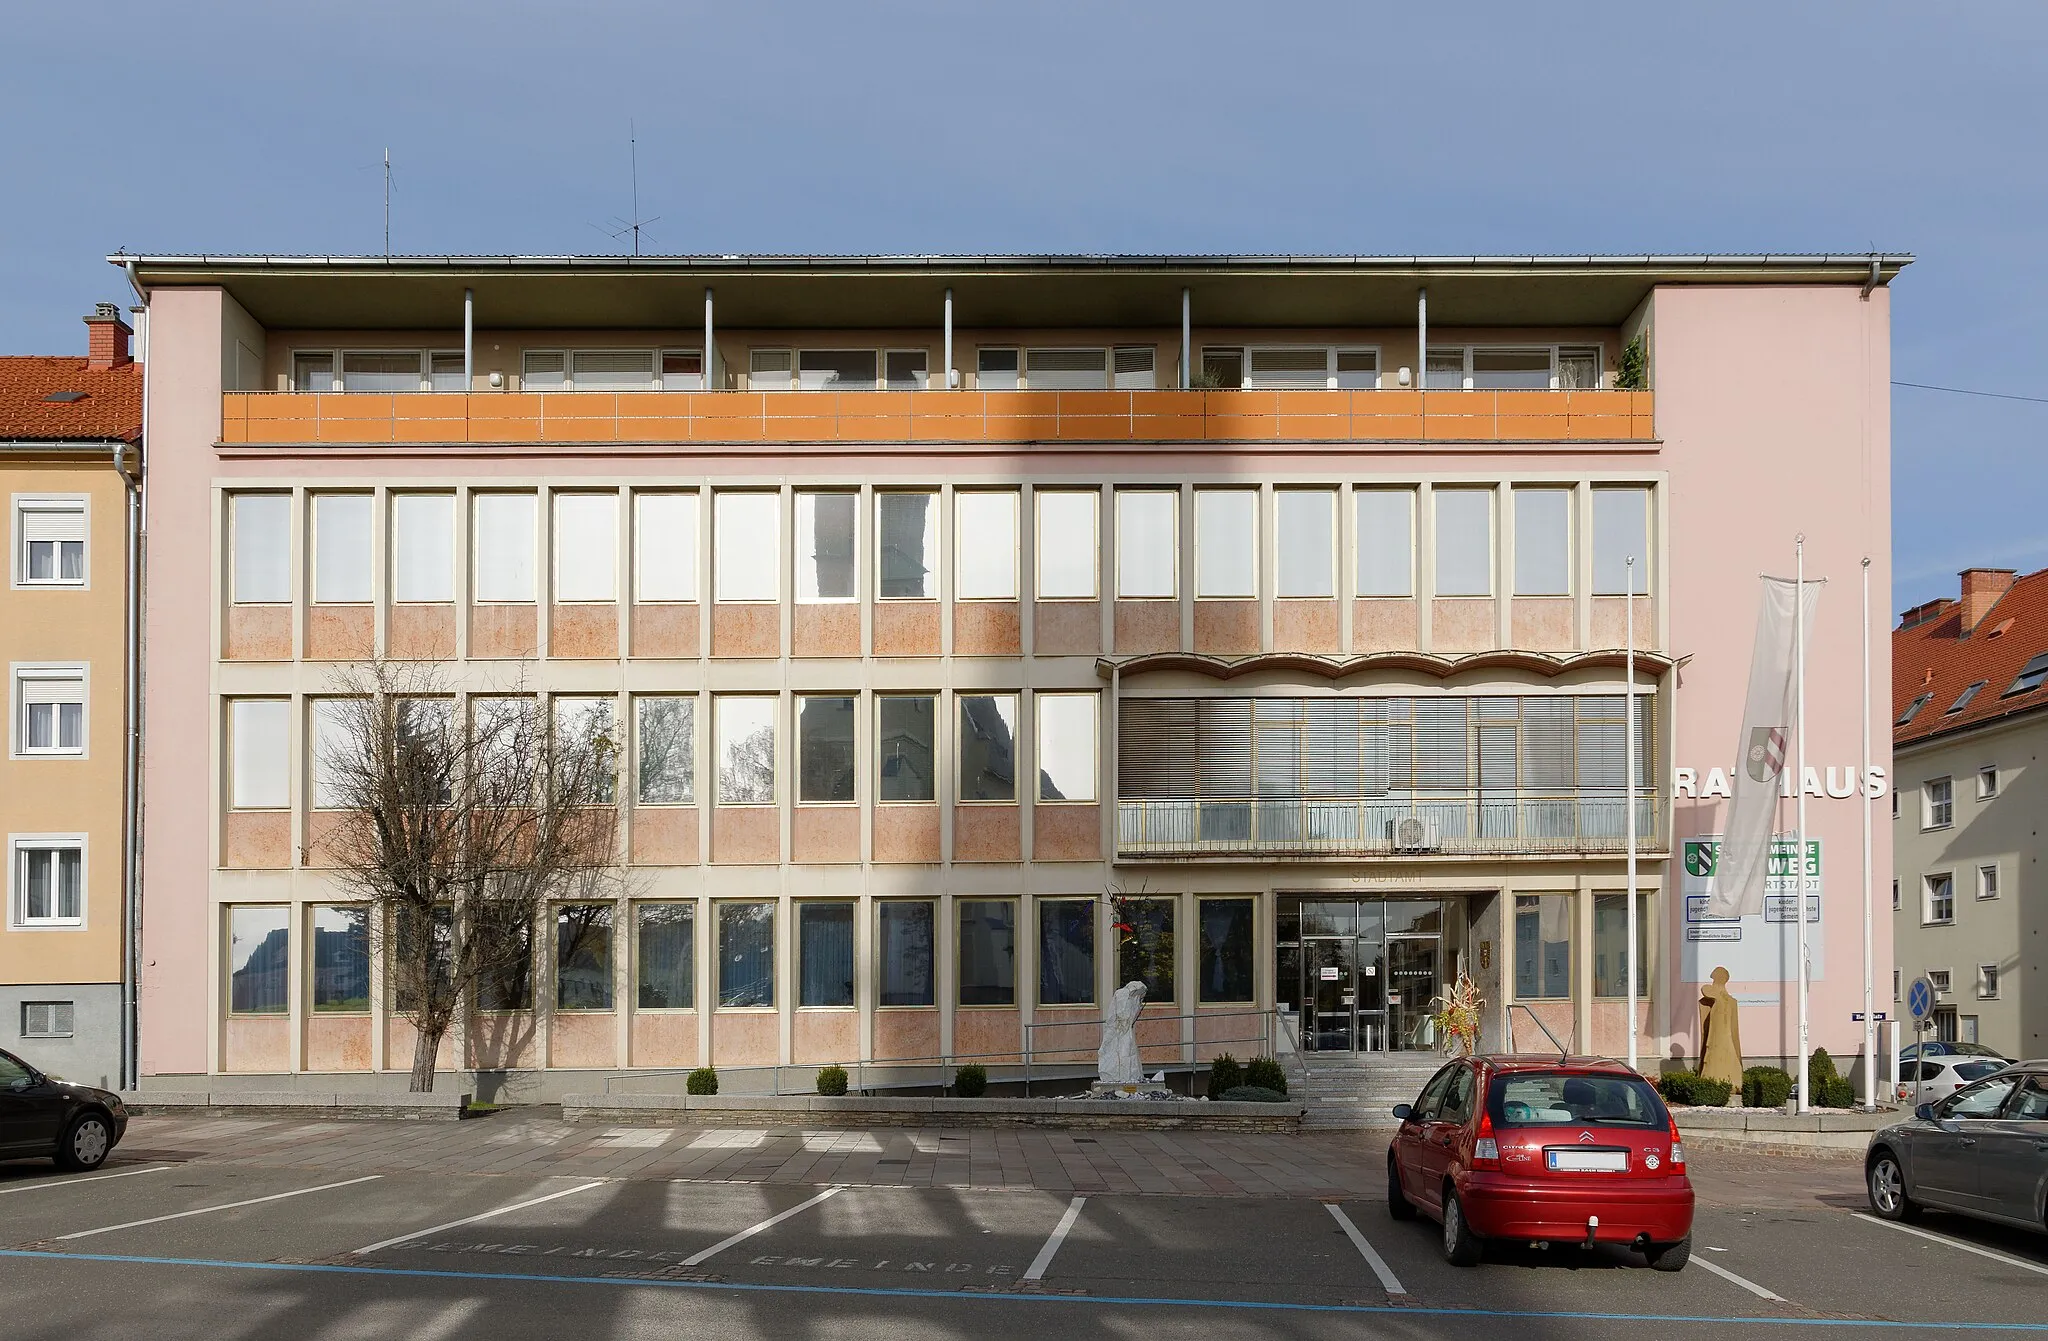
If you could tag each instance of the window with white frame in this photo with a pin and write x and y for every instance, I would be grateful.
(665, 748)
(1621, 530)
(594, 370)
(1987, 880)
(1285, 367)
(313, 370)
(1067, 730)
(771, 370)
(827, 545)
(49, 545)
(1464, 542)
(682, 370)
(334, 724)
(745, 726)
(1385, 541)
(1305, 543)
(907, 545)
(1939, 908)
(1222, 367)
(1896, 975)
(342, 546)
(746, 542)
(1147, 543)
(985, 541)
(1512, 367)
(1938, 979)
(1226, 543)
(423, 548)
(1987, 782)
(1895, 895)
(835, 370)
(49, 881)
(259, 753)
(49, 714)
(586, 547)
(665, 546)
(1543, 542)
(1987, 982)
(1069, 544)
(377, 370)
(260, 539)
(1937, 803)
(1133, 367)
(905, 369)
(996, 370)
(445, 371)
(1066, 369)
(503, 546)
(588, 722)
(47, 1019)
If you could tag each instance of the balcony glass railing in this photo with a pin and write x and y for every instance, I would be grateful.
(1451, 823)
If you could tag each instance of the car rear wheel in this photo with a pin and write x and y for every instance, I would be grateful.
(86, 1143)
(1462, 1247)
(1669, 1256)
(1398, 1205)
(1886, 1180)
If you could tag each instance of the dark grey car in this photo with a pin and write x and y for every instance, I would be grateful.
(1982, 1151)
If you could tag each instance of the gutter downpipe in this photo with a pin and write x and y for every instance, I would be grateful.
(1187, 339)
(131, 818)
(468, 339)
(1875, 276)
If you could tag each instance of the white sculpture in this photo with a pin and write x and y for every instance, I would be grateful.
(1116, 1062)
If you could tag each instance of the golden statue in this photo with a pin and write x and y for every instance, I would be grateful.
(1720, 1033)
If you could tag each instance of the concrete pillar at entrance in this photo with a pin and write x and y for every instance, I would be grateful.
(1582, 967)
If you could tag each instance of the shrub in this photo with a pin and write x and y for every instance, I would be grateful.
(703, 1080)
(1766, 1087)
(1224, 1074)
(970, 1081)
(832, 1081)
(1265, 1073)
(1836, 1093)
(1253, 1094)
(1691, 1089)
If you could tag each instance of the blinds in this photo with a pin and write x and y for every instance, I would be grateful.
(1131, 366)
(1288, 367)
(51, 686)
(53, 521)
(665, 537)
(504, 547)
(613, 369)
(1066, 369)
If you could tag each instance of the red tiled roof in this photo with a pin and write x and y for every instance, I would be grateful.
(1934, 658)
(111, 407)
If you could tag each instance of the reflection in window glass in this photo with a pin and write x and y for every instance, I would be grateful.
(1066, 747)
(1147, 543)
(259, 958)
(1610, 945)
(1621, 527)
(666, 749)
(261, 533)
(746, 954)
(824, 952)
(906, 731)
(508, 984)
(423, 547)
(988, 952)
(1224, 972)
(1464, 542)
(1068, 541)
(583, 956)
(746, 750)
(985, 527)
(665, 546)
(1386, 542)
(1145, 945)
(1543, 946)
(340, 967)
(907, 545)
(586, 547)
(341, 548)
(905, 945)
(1543, 542)
(746, 534)
(1066, 952)
(1305, 542)
(259, 737)
(335, 723)
(824, 748)
(402, 968)
(666, 978)
(504, 547)
(1226, 542)
(988, 747)
(825, 546)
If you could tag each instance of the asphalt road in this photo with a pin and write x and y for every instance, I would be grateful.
(322, 1249)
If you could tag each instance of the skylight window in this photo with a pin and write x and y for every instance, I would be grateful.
(1963, 699)
(2032, 676)
(1913, 709)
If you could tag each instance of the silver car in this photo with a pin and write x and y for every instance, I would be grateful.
(1983, 1151)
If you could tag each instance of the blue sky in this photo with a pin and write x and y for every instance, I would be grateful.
(1021, 126)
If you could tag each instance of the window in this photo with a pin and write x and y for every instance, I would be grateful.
(1543, 946)
(1066, 369)
(1937, 804)
(985, 536)
(1222, 367)
(313, 370)
(988, 951)
(904, 369)
(47, 1019)
(665, 546)
(1464, 542)
(1895, 803)
(423, 547)
(1066, 747)
(995, 370)
(746, 954)
(907, 546)
(1069, 541)
(1895, 972)
(49, 882)
(906, 739)
(2031, 677)
(1912, 711)
(1145, 946)
(544, 370)
(906, 950)
(988, 747)
(49, 711)
(385, 370)
(444, 372)
(1132, 367)
(826, 546)
(259, 743)
(1223, 972)
(1940, 907)
(340, 964)
(1938, 980)
(770, 370)
(1987, 881)
(1610, 943)
(504, 546)
(746, 750)
(586, 547)
(824, 954)
(1543, 542)
(746, 531)
(1147, 543)
(1066, 952)
(1987, 982)
(682, 370)
(835, 370)
(587, 722)
(824, 749)
(666, 747)
(260, 532)
(341, 549)
(1501, 368)
(1386, 541)
(1621, 529)
(665, 947)
(1970, 691)
(583, 956)
(409, 989)
(611, 370)
(1987, 782)
(1305, 543)
(1226, 542)
(50, 549)
(259, 958)
(1895, 896)
(1284, 367)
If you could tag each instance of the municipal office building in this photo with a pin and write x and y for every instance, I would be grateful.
(1255, 627)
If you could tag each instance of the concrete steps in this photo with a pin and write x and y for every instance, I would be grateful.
(1353, 1093)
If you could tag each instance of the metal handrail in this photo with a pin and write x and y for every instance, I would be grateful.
(1469, 821)
(1562, 1049)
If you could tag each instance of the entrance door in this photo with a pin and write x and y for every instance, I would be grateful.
(1329, 993)
(1411, 986)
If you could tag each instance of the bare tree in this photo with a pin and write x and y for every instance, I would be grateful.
(458, 826)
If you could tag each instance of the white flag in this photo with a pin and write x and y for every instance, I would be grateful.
(1762, 752)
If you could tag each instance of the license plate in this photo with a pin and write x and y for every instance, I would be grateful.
(1587, 1161)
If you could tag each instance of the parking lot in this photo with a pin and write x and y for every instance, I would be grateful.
(518, 1226)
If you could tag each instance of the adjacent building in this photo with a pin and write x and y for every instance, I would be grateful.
(1254, 627)
(1970, 721)
(70, 439)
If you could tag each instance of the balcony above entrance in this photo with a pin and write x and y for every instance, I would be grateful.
(1475, 823)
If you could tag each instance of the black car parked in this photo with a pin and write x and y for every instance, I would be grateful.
(76, 1125)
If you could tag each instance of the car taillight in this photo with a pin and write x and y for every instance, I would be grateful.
(1677, 1148)
(1485, 1149)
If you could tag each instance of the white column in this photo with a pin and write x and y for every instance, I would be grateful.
(946, 377)
(1187, 339)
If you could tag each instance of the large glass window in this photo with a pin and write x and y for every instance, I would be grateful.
(1543, 542)
(1066, 369)
(826, 548)
(313, 370)
(907, 545)
(746, 750)
(1543, 946)
(988, 747)
(1147, 543)
(1464, 542)
(1224, 973)
(259, 745)
(665, 546)
(1066, 952)
(985, 534)
(341, 548)
(380, 370)
(746, 530)
(835, 370)
(824, 748)
(583, 956)
(824, 951)
(423, 547)
(1610, 945)
(1146, 942)
(406, 931)
(508, 983)
(905, 736)
(746, 954)
(905, 946)
(1066, 747)
(587, 721)
(335, 722)
(1386, 541)
(1621, 528)
(988, 951)
(665, 975)
(586, 547)
(667, 749)
(1069, 541)
(340, 969)
(504, 547)
(1226, 542)
(259, 958)
(995, 369)
(682, 370)
(1305, 543)
(260, 531)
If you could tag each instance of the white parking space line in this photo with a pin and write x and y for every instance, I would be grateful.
(1725, 1274)
(751, 1230)
(485, 1215)
(74, 1182)
(209, 1210)
(1037, 1269)
(1388, 1280)
(1946, 1241)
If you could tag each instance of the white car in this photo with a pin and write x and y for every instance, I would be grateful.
(1932, 1079)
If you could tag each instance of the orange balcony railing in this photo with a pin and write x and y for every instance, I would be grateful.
(596, 417)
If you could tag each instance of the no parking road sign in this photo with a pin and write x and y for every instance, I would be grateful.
(1920, 999)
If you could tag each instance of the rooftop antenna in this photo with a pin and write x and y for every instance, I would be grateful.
(387, 202)
(636, 223)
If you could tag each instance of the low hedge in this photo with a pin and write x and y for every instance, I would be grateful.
(1224, 1074)
(1766, 1087)
(970, 1081)
(703, 1080)
(1693, 1090)
(1252, 1094)
(1265, 1073)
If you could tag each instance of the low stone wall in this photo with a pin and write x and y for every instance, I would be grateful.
(295, 1103)
(856, 1113)
(1842, 1132)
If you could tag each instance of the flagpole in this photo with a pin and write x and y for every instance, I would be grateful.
(1863, 785)
(1629, 767)
(1799, 792)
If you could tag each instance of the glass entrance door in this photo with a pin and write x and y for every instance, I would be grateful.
(1329, 995)
(1411, 985)
(1363, 972)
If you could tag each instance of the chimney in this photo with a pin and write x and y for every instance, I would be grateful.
(106, 344)
(1981, 589)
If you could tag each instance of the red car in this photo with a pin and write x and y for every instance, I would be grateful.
(1543, 1150)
